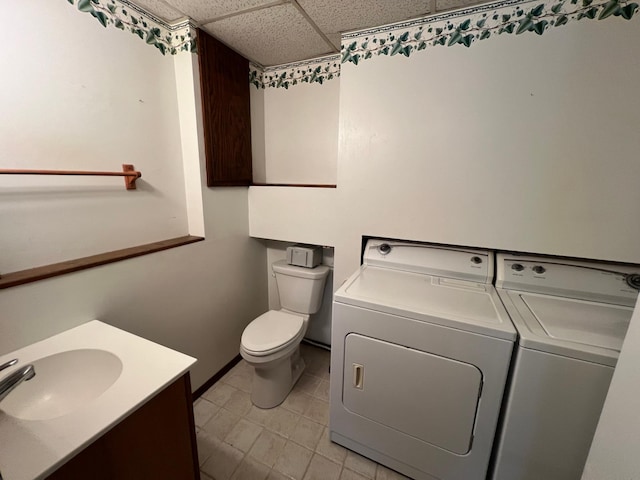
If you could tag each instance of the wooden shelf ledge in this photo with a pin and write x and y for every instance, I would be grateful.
(307, 185)
(70, 266)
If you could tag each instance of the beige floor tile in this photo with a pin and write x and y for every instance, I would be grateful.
(221, 424)
(307, 384)
(241, 380)
(307, 433)
(276, 475)
(223, 461)
(282, 422)
(242, 366)
(239, 403)
(267, 447)
(351, 475)
(205, 443)
(260, 415)
(250, 469)
(321, 468)
(360, 464)
(204, 476)
(293, 460)
(203, 411)
(308, 351)
(318, 411)
(384, 473)
(219, 394)
(331, 450)
(279, 441)
(243, 434)
(318, 367)
(322, 392)
(297, 401)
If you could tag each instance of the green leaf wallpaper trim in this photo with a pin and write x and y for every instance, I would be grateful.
(464, 27)
(317, 70)
(124, 15)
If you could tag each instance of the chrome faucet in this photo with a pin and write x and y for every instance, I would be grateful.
(11, 381)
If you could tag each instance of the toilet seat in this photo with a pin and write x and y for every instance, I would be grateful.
(272, 331)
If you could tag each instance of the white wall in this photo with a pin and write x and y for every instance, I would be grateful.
(196, 298)
(298, 129)
(70, 103)
(256, 99)
(520, 142)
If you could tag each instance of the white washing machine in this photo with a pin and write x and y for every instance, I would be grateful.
(421, 346)
(571, 317)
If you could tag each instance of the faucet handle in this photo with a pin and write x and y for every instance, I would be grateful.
(8, 364)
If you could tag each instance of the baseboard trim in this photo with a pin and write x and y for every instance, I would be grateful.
(221, 373)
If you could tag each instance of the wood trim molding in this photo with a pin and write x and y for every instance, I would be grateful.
(221, 373)
(70, 266)
(306, 185)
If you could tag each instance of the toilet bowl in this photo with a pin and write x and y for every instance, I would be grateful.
(271, 342)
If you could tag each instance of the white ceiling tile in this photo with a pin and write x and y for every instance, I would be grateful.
(204, 10)
(335, 38)
(271, 36)
(160, 9)
(451, 4)
(333, 16)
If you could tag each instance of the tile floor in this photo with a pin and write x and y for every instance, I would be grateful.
(238, 441)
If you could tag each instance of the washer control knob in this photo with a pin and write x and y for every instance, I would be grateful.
(539, 269)
(633, 280)
(476, 260)
(517, 267)
(384, 248)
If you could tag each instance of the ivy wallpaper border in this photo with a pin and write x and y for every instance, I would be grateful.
(460, 27)
(122, 14)
(466, 26)
(316, 70)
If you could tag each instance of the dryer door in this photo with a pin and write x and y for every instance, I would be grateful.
(429, 397)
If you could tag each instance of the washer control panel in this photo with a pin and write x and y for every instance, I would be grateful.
(596, 281)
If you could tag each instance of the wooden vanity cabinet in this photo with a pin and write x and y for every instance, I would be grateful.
(157, 442)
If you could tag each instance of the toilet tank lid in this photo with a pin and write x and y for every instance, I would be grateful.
(271, 330)
(281, 266)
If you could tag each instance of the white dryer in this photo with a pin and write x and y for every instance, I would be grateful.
(421, 346)
(571, 317)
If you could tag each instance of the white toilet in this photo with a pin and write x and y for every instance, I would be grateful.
(271, 343)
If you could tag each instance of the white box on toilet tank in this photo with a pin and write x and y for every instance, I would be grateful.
(307, 256)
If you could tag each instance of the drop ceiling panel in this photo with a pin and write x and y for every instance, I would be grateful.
(451, 4)
(335, 39)
(271, 36)
(207, 10)
(335, 16)
(160, 9)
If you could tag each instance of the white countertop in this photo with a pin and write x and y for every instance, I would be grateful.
(32, 449)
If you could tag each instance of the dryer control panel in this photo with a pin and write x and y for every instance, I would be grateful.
(459, 263)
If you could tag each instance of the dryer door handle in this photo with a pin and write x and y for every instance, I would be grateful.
(358, 376)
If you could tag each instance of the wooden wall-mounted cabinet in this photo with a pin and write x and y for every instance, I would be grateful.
(224, 81)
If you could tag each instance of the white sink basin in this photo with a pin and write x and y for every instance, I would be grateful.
(87, 380)
(63, 383)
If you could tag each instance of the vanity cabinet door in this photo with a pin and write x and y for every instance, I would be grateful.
(157, 441)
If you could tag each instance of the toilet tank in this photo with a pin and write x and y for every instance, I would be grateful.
(300, 289)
